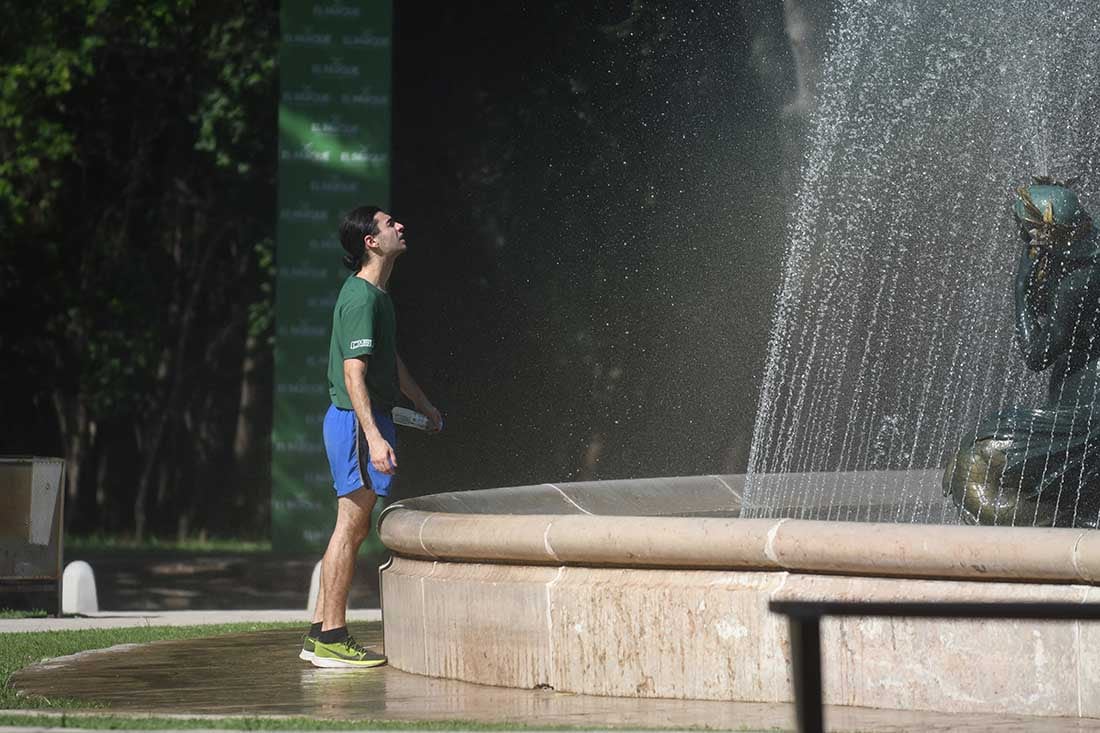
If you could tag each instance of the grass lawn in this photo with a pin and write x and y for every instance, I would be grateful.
(9, 613)
(121, 543)
(104, 542)
(78, 545)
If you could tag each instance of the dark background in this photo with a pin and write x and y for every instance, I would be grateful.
(595, 196)
(595, 206)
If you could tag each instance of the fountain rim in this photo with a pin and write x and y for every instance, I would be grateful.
(455, 527)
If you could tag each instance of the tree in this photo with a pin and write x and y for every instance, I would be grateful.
(137, 201)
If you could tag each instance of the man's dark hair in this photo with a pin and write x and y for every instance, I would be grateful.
(358, 223)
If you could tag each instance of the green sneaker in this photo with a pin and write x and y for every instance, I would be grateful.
(344, 653)
(307, 653)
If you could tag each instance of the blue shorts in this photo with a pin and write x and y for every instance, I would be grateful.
(348, 456)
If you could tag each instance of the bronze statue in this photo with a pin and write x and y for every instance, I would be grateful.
(1041, 466)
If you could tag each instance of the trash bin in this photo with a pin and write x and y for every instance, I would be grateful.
(31, 529)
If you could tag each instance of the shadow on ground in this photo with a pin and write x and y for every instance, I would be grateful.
(178, 580)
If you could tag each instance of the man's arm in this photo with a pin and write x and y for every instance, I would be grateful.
(412, 390)
(355, 379)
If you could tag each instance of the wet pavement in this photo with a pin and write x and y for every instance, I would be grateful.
(260, 674)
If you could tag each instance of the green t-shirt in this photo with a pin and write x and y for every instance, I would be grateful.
(364, 324)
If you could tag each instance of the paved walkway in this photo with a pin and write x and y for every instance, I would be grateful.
(126, 619)
(259, 674)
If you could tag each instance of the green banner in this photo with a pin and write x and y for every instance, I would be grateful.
(334, 154)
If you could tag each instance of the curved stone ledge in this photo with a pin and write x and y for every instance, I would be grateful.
(559, 529)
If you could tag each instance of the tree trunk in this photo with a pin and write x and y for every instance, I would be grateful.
(171, 370)
(243, 434)
(72, 418)
(183, 526)
(247, 466)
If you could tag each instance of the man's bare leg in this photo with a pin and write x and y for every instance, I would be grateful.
(353, 515)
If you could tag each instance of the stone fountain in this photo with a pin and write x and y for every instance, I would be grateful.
(896, 347)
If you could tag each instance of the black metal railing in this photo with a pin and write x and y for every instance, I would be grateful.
(805, 630)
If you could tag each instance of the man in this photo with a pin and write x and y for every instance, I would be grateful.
(365, 375)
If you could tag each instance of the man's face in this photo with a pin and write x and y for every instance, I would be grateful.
(390, 239)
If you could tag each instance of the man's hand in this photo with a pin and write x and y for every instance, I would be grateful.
(382, 456)
(412, 390)
(428, 410)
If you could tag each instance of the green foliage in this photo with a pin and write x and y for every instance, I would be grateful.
(224, 123)
(261, 313)
(46, 51)
(7, 613)
(137, 165)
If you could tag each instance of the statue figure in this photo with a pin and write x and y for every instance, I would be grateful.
(1041, 466)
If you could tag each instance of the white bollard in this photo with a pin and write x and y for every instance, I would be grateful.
(314, 588)
(78, 594)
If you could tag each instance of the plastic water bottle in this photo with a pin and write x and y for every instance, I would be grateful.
(412, 419)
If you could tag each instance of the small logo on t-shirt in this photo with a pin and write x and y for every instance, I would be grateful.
(361, 344)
